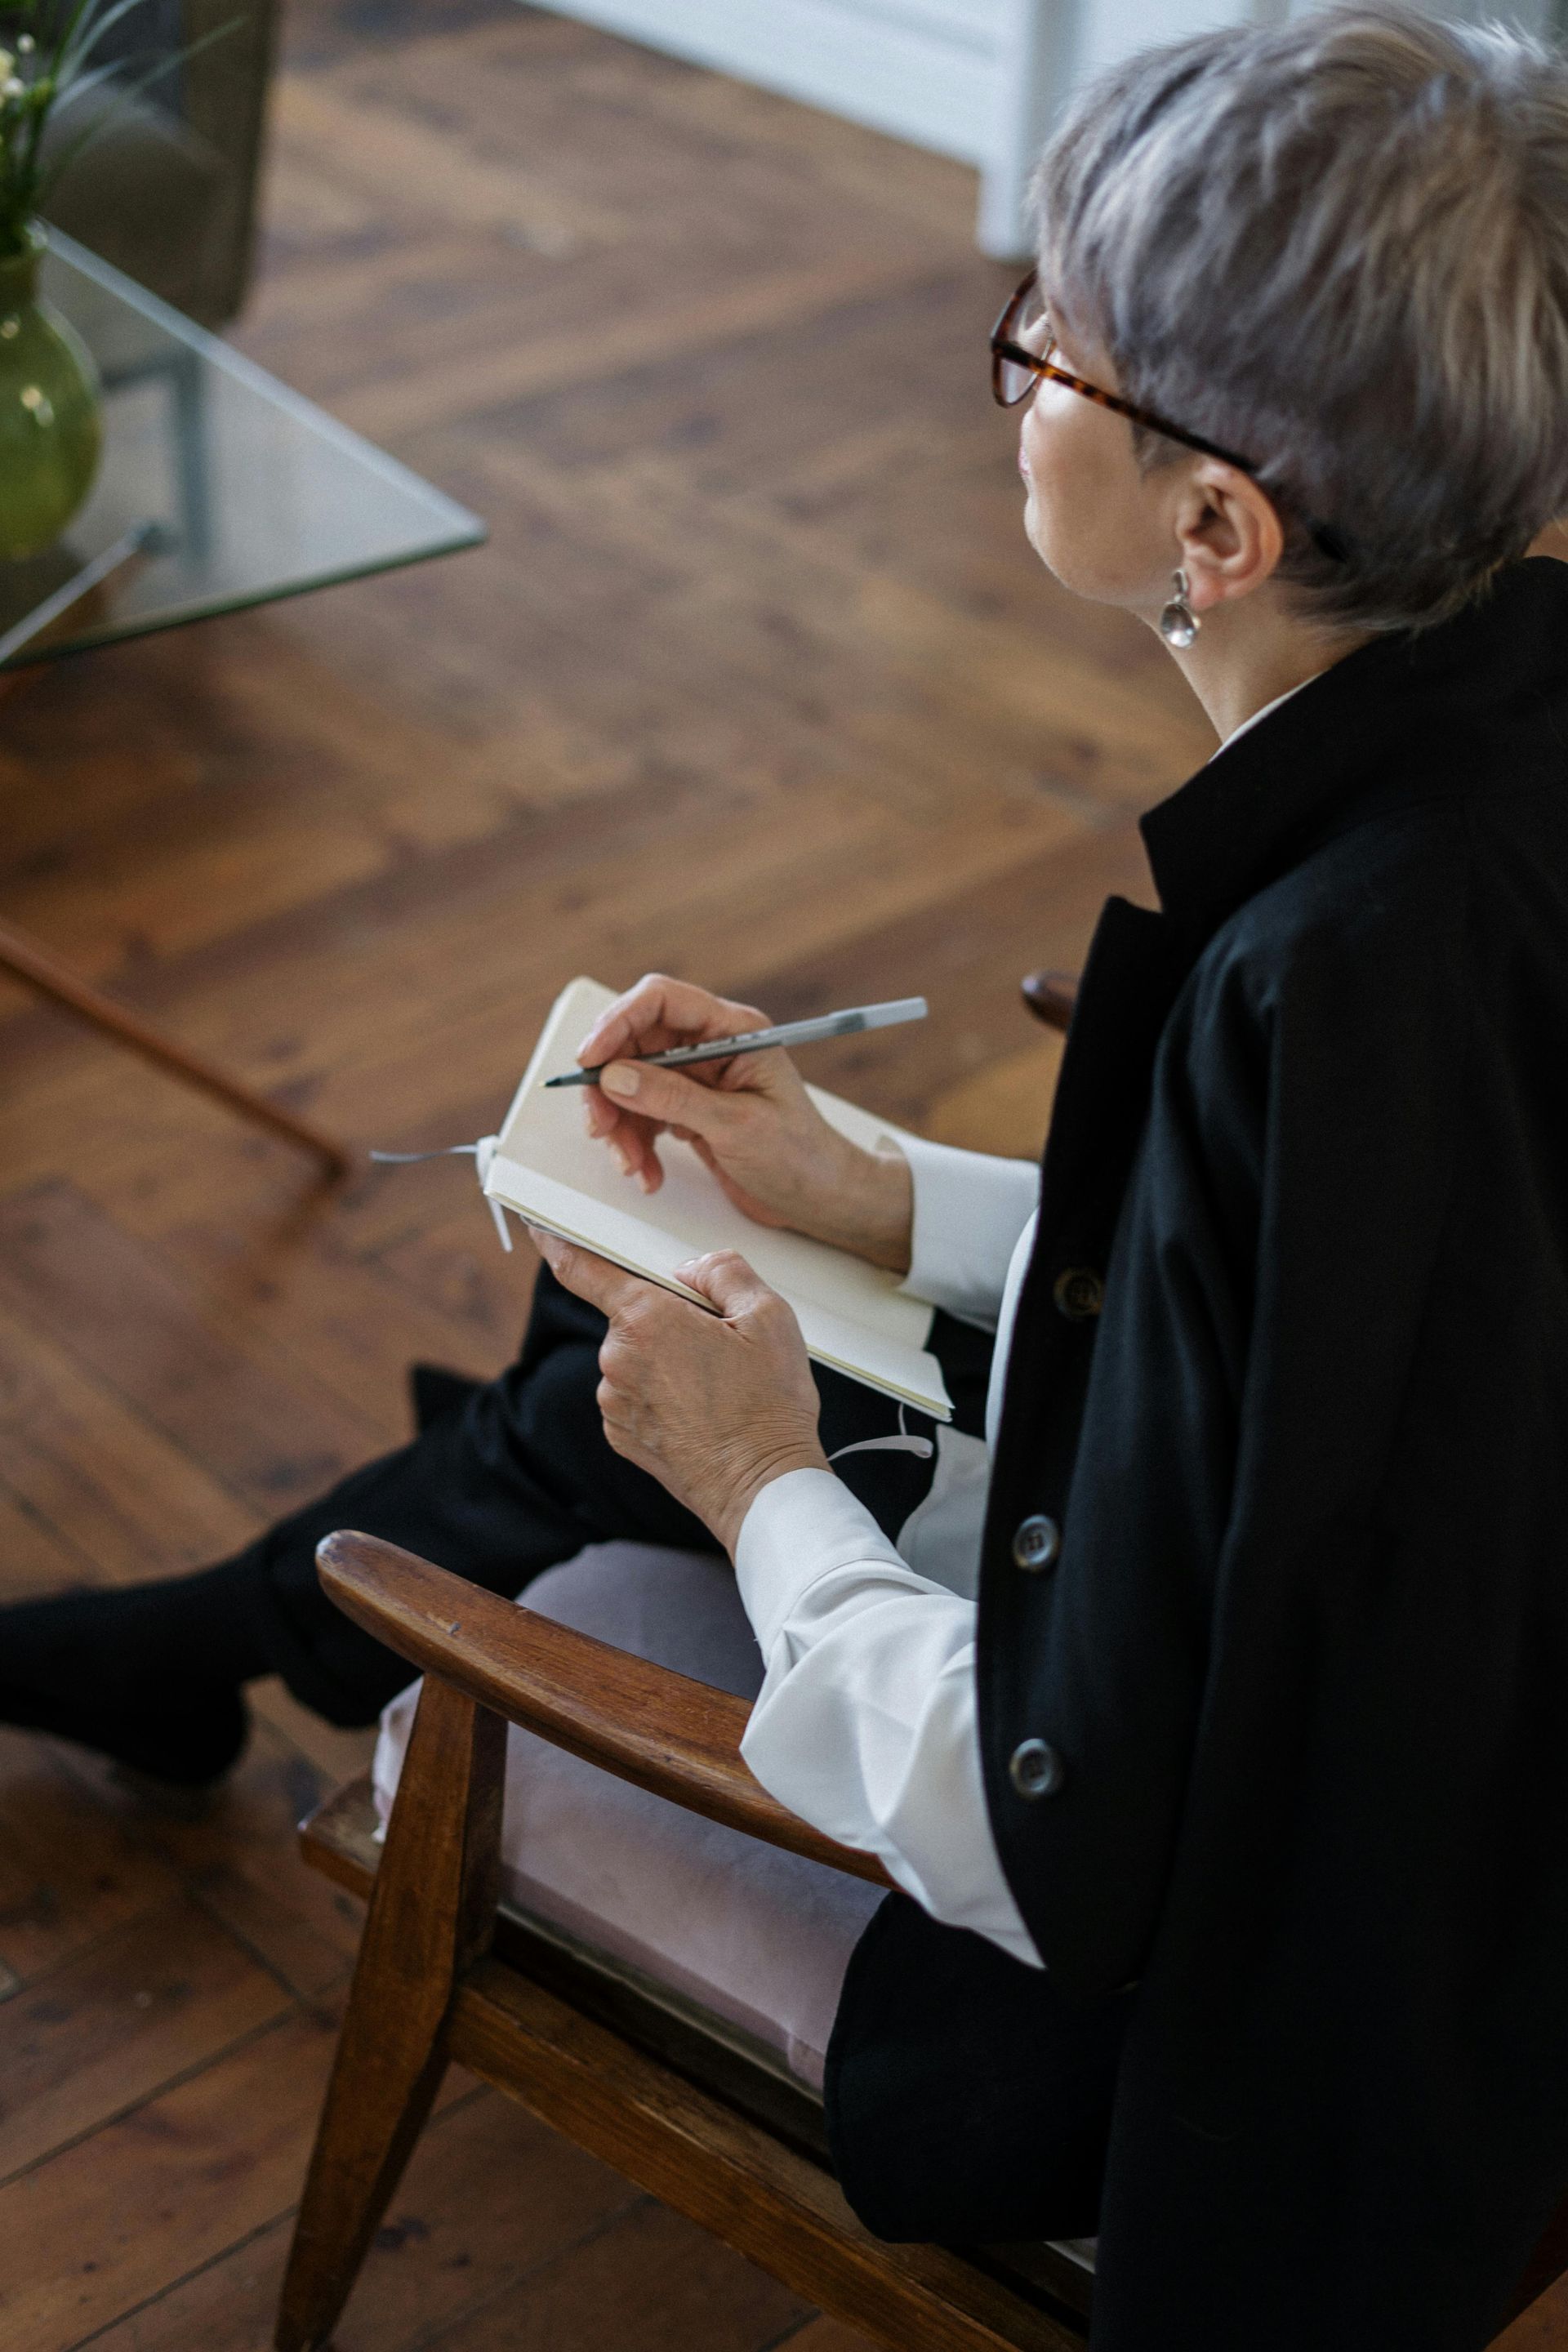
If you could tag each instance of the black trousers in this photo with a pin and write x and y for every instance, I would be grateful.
(508, 1476)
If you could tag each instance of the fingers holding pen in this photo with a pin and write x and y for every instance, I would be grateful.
(631, 1137)
(649, 1018)
(634, 1104)
(630, 1141)
(660, 1012)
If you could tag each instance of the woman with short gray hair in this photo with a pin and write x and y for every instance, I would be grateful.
(1341, 248)
(1207, 1700)
(1262, 1719)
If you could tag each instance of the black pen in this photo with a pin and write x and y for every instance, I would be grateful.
(755, 1041)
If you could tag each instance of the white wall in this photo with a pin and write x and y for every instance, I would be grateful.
(980, 80)
(925, 69)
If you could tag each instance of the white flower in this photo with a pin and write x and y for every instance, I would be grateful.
(6, 63)
(13, 89)
(25, 46)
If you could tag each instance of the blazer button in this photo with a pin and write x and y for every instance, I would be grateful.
(1035, 1770)
(1080, 1293)
(1036, 1543)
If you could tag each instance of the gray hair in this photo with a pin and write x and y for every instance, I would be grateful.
(1338, 246)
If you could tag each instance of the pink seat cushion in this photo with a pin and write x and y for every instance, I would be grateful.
(753, 1936)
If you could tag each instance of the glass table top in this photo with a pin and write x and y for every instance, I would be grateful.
(218, 486)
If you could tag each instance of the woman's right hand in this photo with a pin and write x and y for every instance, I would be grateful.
(749, 1118)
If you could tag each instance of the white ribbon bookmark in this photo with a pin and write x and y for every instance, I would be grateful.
(481, 1153)
(907, 1443)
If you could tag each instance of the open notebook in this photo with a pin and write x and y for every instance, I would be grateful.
(853, 1316)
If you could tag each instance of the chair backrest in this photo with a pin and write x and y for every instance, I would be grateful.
(1050, 996)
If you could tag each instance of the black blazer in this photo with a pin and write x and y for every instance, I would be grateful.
(1299, 1666)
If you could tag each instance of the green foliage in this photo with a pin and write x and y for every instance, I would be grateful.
(49, 72)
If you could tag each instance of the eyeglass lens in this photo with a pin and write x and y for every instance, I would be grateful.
(1028, 324)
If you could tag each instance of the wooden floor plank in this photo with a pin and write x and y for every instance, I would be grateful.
(824, 2334)
(38, 1559)
(160, 1997)
(239, 1859)
(489, 2195)
(1004, 1107)
(650, 2283)
(266, 1429)
(70, 1874)
(1042, 912)
(498, 920)
(114, 2221)
(1543, 2329)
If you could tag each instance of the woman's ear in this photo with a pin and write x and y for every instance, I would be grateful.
(1229, 533)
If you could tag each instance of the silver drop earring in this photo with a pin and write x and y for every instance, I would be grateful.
(1179, 625)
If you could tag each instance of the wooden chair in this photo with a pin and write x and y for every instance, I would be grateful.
(444, 1973)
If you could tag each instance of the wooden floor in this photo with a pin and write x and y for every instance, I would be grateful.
(755, 681)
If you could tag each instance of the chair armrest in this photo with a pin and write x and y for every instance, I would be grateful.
(671, 1735)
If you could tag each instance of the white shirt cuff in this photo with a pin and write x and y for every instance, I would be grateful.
(970, 1208)
(800, 1528)
(866, 1723)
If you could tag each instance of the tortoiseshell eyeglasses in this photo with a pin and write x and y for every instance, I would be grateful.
(1017, 370)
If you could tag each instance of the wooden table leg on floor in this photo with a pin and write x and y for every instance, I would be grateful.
(40, 969)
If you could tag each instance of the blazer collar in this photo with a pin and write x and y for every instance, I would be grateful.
(1400, 710)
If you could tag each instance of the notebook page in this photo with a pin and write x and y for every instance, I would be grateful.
(853, 1316)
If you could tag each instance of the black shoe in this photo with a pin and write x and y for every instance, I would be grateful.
(126, 1674)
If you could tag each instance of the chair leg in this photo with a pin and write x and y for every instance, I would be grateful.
(431, 1917)
(34, 964)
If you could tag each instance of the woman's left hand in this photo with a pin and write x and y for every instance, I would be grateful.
(714, 1406)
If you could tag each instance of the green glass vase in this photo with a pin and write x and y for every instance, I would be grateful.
(50, 421)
